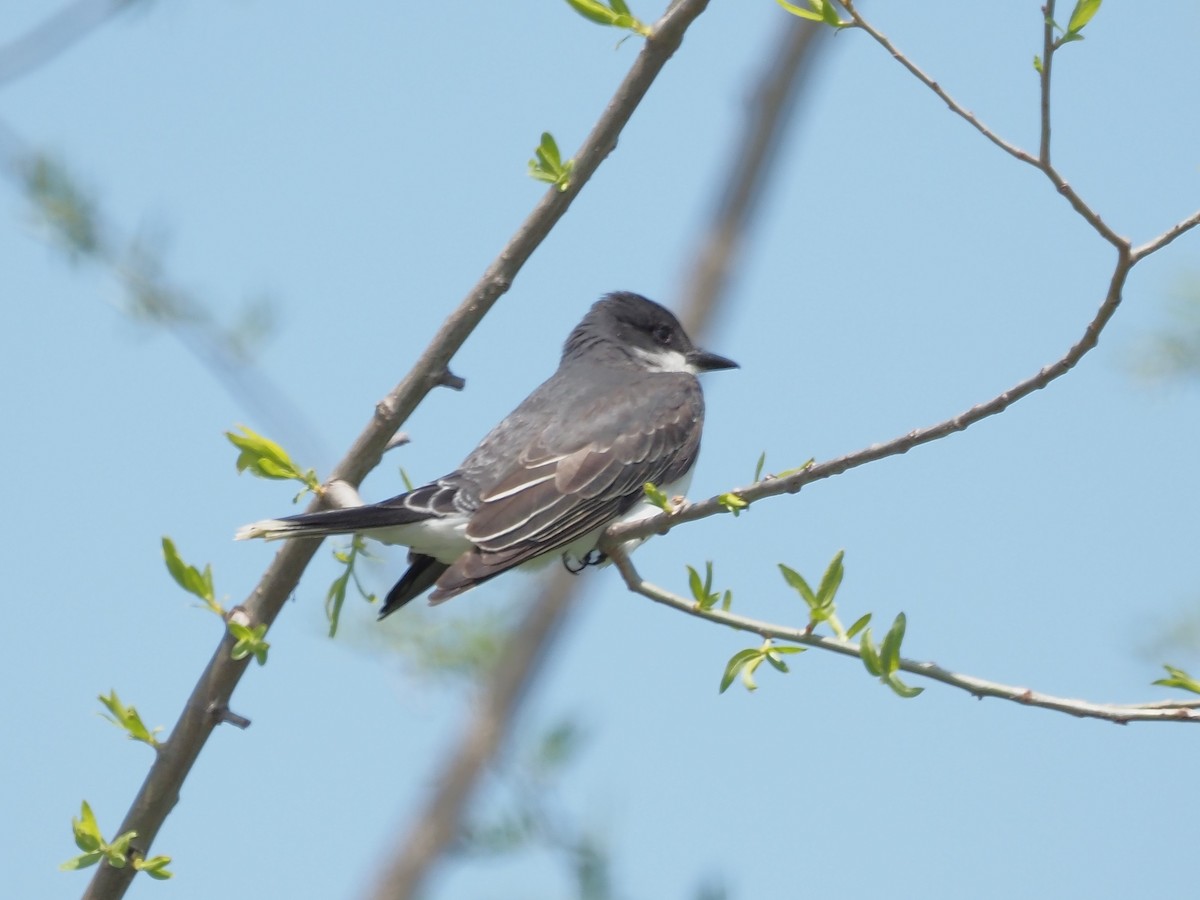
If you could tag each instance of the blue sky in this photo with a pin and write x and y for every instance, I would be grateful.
(360, 165)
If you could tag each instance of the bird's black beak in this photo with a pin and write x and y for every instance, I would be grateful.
(703, 361)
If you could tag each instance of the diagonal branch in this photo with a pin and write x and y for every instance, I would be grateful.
(160, 790)
(1121, 714)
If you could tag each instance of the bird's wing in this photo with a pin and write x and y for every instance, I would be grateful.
(574, 480)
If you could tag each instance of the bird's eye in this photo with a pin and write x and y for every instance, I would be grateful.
(662, 334)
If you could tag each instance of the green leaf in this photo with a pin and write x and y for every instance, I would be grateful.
(127, 717)
(831, 580)
(735, 664)
(758, 468)
(697, 586)
(821, 11)
(187, 577)
(901, 688)
(890, 652)
(1082, 14)
(616, 14)
(796, 581)
(548, 165)
(82, 861)
(732, 502)
(249, 642)
(870, 656)
(657, 497)
(155, 867)
(1037, 64)
(748, 670)
(1179, 679)
(807, 464)
(858, 626)
(594, 11)
(263, 457)
(86, 829)
(813, 15)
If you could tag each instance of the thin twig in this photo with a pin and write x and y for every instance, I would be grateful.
(1155, 711)
(955, 107)
(160, 790)
(1044, 80)
(1042, 165)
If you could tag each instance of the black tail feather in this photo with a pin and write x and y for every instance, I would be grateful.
(423, 572)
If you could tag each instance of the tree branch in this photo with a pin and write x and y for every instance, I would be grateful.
(1121, 714)
(160, 791)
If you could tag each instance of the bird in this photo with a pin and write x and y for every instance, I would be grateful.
(624, 408)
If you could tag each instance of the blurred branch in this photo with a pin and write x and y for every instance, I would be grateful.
(160, 790)
(437, 825)
(54, 34)
(1121, 714)
(74, 221)
(770, 111)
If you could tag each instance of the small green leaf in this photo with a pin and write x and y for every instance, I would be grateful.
(1082, 14)
(734, 666)
(616, 14)
(86, 829)
(594, 11)
(807, 464)
(821, 11)
(858, 626)
(831, 580)
(263, 457)
(548, 165)
(732, 502)
(889, 655)
(82, 861)
(155, 867)
(870, 656)
(127, 717)
(758, 468)
(697, 586)
(1037, 64)
(796, 581)
(1179, 679)
(902, 689)
(657, 497)
(249, 642)
(749, 668)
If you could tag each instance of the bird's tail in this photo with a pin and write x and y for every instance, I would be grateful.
(330, 521)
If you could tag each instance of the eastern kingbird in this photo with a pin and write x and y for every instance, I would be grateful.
(623, 409)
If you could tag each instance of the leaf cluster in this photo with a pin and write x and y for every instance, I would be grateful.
(264, 458)
(548, 165)
(116, 853)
